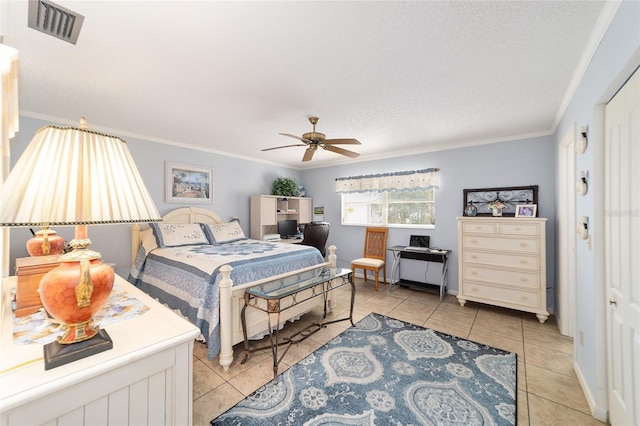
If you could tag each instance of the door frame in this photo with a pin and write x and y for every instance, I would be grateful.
(565, 289)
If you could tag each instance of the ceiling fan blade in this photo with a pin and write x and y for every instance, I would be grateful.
(342, 142)
(342, 151)
(296, 137)
(284, 146)
(308, 154)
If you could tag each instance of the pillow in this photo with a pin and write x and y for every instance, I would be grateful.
(224, 232)
(178, 234)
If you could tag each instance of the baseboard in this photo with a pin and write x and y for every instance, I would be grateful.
(598, 412)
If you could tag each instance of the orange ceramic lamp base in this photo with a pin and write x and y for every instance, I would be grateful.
(73, 292)
(45, 242)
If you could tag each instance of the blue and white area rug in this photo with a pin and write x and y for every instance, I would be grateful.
(384, 371)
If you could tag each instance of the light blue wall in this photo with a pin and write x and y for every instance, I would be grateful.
(517, 163)
(616, 57)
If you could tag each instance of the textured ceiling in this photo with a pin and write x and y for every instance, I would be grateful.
(401, 77)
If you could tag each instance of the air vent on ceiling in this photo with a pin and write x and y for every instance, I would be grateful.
(55, 20)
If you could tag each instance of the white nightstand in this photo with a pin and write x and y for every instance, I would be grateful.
(145, 379)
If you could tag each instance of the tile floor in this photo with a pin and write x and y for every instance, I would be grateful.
(548, 390)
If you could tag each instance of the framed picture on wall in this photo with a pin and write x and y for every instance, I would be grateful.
(526, 210)
(509, 196)
(187, 184)
(318, 213)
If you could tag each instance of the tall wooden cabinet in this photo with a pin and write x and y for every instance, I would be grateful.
(502, 262)
(267, 210)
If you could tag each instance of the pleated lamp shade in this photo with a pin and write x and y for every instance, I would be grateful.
(73, 176)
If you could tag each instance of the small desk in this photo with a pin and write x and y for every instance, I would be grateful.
(281, 294)
(431, 255)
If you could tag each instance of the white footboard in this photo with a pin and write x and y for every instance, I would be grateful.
(232, 301)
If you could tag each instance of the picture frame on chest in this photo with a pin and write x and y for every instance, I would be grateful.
(509, 198)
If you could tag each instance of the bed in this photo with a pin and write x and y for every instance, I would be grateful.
(199, 265)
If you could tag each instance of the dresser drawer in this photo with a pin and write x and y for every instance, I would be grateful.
(506, 296)
(520, 228)
(516, 279)
(479, 228)
(502, 259)
(522, 245)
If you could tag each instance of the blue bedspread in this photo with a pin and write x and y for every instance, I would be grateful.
(186, 278)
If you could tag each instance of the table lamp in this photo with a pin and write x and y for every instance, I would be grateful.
(45, 242)
(74, 176)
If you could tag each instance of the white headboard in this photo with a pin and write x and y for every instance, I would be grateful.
(182, 215)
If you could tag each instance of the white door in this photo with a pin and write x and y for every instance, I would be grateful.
(622, 252)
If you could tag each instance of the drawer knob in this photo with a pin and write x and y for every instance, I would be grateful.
(524, 280)
(523, 244)
(525, 297)
(474, 241)
(474, 273)
(524, 262)
(518, 228)
(474, 288)
(474, 257)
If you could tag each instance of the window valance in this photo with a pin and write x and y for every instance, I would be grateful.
(399, 181)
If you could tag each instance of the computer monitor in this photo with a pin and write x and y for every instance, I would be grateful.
(288, 228)
(419, 240)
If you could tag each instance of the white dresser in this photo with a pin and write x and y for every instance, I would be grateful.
(502, 262)
(146, 379)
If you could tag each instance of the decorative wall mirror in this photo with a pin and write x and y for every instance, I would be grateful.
(511, 196)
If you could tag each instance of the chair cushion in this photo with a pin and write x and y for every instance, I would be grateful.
(365, 261)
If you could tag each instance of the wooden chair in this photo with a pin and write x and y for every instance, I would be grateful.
(375, 254)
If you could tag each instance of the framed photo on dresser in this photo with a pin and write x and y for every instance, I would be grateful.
(526, 210)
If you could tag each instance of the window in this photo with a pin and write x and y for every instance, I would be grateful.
(412, 208)
(404, 199)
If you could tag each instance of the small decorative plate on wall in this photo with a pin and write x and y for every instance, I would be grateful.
(510, 196)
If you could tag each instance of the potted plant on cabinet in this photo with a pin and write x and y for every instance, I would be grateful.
(285, 187)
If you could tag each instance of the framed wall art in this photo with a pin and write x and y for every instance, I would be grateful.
(187, 184)
(509, 196)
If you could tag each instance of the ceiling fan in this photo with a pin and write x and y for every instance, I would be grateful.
(313, 140)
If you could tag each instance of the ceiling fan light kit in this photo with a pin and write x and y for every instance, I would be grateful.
(313, 140)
